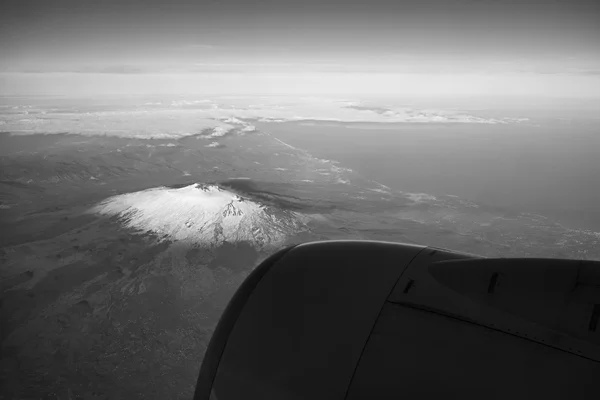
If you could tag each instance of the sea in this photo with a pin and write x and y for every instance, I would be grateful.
(545, 166)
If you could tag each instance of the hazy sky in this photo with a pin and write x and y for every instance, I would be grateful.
(430, 47)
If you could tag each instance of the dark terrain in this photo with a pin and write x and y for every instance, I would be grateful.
(91, 309)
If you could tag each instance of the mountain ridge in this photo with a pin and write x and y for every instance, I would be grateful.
(206, 214)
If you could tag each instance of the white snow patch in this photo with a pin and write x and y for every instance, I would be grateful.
(204, 214)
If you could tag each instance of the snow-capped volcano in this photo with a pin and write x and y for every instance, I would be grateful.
(204, 214)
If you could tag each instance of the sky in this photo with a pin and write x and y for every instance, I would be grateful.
(544, 48)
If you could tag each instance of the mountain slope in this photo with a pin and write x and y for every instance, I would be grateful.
(202, 214)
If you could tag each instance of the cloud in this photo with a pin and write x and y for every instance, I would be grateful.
(219, 131)
(271, 67)
(34, 71)
(232, 120)
(589, 72)
(559, 70)
(179, 103)
(248, 128)
(142, 124)
(215, 145)
(227, 118)
(420, 197)
(197, 46)
(112, 69)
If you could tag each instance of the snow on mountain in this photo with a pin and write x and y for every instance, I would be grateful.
(205, 214)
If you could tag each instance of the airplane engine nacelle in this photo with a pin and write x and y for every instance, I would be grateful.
(377, 320)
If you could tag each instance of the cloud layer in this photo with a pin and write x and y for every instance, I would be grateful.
(217, 117)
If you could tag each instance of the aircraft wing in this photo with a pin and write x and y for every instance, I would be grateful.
(378, 320)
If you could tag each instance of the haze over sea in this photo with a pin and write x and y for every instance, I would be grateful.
(547, 165)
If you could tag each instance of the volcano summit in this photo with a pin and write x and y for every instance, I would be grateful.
(205, 214)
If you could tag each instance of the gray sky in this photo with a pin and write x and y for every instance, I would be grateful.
(544, 42)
